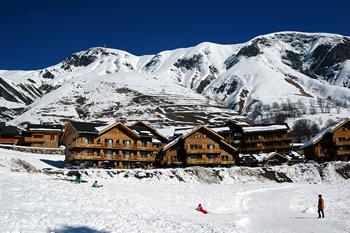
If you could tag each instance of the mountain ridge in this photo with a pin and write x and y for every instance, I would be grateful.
(276, 67)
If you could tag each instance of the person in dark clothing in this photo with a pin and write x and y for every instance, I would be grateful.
(320, 206)
(96, 185)
(78, 178)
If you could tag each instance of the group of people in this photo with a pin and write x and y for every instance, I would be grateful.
(79, 179)
(320, 206)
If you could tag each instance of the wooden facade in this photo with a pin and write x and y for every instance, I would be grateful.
(116, 144)
(331, 144)
(201, 146)
(257, 139)
(275, 158)
(41, 135)
(9, 134)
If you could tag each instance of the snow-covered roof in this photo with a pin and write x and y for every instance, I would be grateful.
(293, 155)
(241, 123)
(156, 141)
(44, 130)
(101, 128)
(261, 157)
(250, 129)
(221, 129)
(182, 131)
(194, 130)
(170, 144)
(320, 135)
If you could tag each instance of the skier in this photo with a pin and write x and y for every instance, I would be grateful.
(96, 185)
(78, 178)
(200, 209)
(320, 206)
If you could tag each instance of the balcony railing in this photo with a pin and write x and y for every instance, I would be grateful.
(207, 161)
(103, 157)
(9, 140)
(113, 146)
(342, 152)
(203, 151)
(32, 139)
(342, 143)
(277, 139)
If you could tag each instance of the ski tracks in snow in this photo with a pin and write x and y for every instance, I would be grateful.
(272, 210)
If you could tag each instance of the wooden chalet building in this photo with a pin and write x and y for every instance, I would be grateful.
(256, 139)
(117, 145)
(262, 159)
(331, 144)
(9, 134)
(200, 146)
(42, 135)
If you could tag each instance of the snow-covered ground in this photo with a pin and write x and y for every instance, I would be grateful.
(35, 202)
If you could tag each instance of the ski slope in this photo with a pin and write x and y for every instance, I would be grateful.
(34, 202)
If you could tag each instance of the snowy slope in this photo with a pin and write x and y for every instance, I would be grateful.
(34, 202)
(105, 84)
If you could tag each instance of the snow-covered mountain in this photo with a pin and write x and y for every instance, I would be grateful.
(204, 83)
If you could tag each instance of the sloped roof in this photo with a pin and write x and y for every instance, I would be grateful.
(324, 132)
(264, 128)
(136, 126)
(105, 129)
(9, 130)
(273, 154)
(195, 130)
(44, 127)
(86, 127)
(294, 156)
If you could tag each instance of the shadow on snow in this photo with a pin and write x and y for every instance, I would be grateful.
(54, 163)
(78, 229)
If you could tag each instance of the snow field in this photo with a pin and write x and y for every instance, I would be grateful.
(39, 203)
(34, 202)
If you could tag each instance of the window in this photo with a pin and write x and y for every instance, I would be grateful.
(109, 142)
(90, 141)
(211, 156)
(174, 158)
(210, 146)
(88, 152)
(127, 152)
(109, 153)
(224, 157)
(195, 146)
(127, 142)
(196, 156)
(52, 137)
(143, 154)
(143, 143)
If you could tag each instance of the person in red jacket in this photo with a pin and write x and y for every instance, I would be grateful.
(200, 209)
(320, 206)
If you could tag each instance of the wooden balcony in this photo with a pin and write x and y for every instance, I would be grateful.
(38, 140)
(342, 143)
(9, 140)
(117, 146)
(203, 151)
(103, 157)
(342, 152)
(207, 161)
(268, 140)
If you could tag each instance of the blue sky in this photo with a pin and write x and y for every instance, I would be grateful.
(37, 34)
